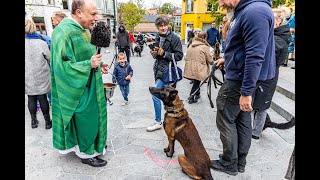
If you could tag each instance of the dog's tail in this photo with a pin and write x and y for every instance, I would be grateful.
(270, 124)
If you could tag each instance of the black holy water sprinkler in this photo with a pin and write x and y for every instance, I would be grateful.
(100, 36)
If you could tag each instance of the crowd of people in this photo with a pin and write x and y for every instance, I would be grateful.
(256, 41)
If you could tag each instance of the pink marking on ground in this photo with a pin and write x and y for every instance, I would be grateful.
(159, 161)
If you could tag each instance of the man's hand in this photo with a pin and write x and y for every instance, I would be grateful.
(128, 77)
(154, 54)
(96, 60)
(219, 63)
(104, 68)
(160, 52)
(245, 103)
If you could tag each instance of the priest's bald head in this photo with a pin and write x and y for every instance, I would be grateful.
(85, 13)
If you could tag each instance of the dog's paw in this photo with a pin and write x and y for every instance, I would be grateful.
(166, 149)
(169, 154)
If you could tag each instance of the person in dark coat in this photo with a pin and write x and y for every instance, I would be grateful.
(167, 44)
(266, 89)
(190, 33)
(123, 41)
(213, 34)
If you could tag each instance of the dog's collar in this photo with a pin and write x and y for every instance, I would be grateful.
(176, 110)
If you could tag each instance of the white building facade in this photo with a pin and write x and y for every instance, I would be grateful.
(41, 12)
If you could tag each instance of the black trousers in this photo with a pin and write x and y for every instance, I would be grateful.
(234, 125)
(32, 103)
(127, 51)
(195, 86)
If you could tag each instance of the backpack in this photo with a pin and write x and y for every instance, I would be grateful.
(45, 38)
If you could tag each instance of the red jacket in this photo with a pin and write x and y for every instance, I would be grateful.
(131, 37)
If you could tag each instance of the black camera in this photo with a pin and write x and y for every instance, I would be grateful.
(151, 46)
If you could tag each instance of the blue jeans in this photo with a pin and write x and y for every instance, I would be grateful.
(223, 46)
(125, 91)
(157, 101)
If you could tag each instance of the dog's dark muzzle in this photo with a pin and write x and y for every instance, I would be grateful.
(155, 91)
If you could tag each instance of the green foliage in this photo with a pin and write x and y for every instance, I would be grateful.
(166, 8)
(129, 15)
(140, 5)
(277, 3)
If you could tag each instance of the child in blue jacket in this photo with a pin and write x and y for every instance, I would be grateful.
(123, 73)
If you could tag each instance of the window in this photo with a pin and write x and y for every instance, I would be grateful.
(40, 25)
(65, 4)
(189, 6)
(209, 7)
(98, 4)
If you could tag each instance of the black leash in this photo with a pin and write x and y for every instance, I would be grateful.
(215, 80)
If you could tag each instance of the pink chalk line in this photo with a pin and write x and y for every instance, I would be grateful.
(160, 161)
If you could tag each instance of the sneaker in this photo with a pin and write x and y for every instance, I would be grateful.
(216, 165)
(124, 103)
(154, 126)
(192, 100)
(197, 96)
(293, 67)
(284, 65)
(241, 169)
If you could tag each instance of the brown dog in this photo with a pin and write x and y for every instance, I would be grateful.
(178, 126)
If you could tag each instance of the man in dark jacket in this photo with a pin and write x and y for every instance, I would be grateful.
(166, 45)
(213, 34)
(123, 41)
(249, 57)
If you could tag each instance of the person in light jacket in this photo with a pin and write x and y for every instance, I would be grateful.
(198, 58)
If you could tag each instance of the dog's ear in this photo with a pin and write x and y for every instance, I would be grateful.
(173, 93)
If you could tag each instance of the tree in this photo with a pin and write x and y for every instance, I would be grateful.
(155, 5)
(166, 8)
(277, 3)
(129, 14)
(140, 5)
(120, 11)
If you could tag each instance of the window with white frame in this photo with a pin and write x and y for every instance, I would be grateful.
(189, 6)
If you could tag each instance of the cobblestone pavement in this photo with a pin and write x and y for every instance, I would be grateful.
(135, 154)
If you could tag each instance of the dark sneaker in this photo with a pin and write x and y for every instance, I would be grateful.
(255, 137)
(197, 96)
(192, 100)
(293, 67)
(284, 65)
(241, 169)
(216, 165)
(95, 162)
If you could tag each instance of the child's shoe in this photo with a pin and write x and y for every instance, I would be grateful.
(124, 103)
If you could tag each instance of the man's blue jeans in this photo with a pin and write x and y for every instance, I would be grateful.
(157, 101)
(125, 91)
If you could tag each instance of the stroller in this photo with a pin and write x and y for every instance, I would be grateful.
(139, 47)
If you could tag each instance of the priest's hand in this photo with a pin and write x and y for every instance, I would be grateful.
(96, 60)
